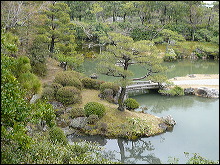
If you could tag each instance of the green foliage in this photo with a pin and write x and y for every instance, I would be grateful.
(68, 95)
(92, 119)
(77, 112)
(109, 85)
(43, 111)
(30, 82)
(57, 135)
(43, 151)
(175, 91)
(68, 78)
(91, 83)
(16, 111)
(94, 108)
(131, 104)
(203, 35)
(23, 63)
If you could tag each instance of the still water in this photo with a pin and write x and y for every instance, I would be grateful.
(196, 131)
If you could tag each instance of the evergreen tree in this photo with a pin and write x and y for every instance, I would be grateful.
(60, 34)
(123, 52)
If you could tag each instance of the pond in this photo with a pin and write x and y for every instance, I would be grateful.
(196, 131)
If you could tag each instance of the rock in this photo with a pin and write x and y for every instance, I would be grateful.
(78, 122)
(189, 91)
(192, 76)
(68, 131)
(207, 92)
(35, 98)
(163, 126)
(168, 120)
(93, 76)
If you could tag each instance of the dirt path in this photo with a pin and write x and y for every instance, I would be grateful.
(197, 80)
(53, 68)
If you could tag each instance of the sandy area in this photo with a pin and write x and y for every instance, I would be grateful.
(199, 77)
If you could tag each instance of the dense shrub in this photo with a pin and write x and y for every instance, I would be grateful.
(109, 85)
(48, 93)
(175, 91)
(131, 104)
(77, 112)
(68, 78)
(91, 83)
(57, 135)
(56, 86)
(92, 119)
(94, 108)
(68, 95)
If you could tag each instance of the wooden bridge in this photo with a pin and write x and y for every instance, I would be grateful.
(141, 87)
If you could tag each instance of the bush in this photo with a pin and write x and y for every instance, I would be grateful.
(68, 95)
(48, 93)
(68, 78)
(109, 85)
(57, 135)
(94, 108)
(91, 83)
(175, 91)
(131, 104)
(77, 112)
(56, 86)
(92, 119)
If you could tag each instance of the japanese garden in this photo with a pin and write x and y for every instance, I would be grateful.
(109, 82)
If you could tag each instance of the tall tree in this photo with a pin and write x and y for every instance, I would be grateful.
(124, 52)
(60, 33)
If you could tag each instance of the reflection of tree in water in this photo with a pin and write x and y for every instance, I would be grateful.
(136, 152)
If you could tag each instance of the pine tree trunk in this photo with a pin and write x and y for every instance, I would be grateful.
(121, 99)
(52, 44)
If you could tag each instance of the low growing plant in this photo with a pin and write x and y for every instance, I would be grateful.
(94, 108)
(131, 104)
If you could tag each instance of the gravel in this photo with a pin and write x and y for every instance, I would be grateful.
(197, 82)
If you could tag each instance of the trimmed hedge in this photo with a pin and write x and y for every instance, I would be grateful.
(91, 83)
(68, 95)
(131, 104)
(94, 108)
(68, 78)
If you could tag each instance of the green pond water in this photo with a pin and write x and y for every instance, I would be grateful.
(196, 131)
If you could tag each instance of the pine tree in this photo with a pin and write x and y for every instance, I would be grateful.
(123, 52)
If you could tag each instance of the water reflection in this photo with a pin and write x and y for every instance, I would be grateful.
(132, 152)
